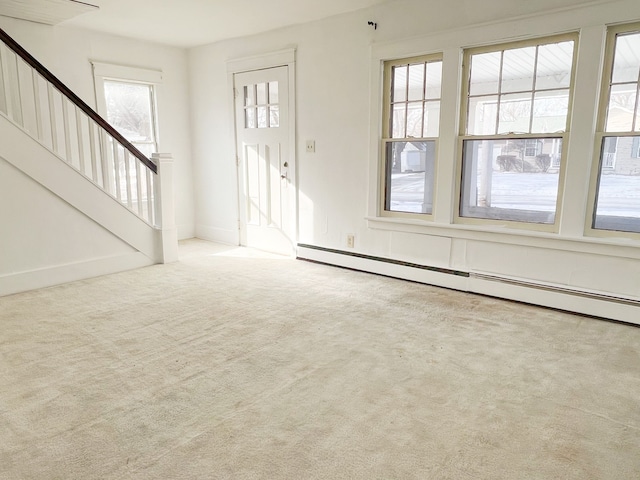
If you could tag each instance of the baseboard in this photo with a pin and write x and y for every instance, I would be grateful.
(186, 232)
(561, 297)
(50, 276)
(383, 266)
(219, 235)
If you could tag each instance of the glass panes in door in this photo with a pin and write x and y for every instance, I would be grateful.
(261, 109)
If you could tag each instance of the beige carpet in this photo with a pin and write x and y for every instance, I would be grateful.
(233, 364)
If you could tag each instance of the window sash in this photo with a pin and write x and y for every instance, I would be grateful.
(411, 122)
(614, 195)
(538, 215)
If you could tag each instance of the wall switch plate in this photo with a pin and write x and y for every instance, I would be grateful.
(311, 146)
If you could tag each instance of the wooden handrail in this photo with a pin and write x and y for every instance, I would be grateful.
(77, 101)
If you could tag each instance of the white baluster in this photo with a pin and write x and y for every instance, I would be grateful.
(92, 148)
(65, 127)
(4, 88)
(52, 118)
(127, 167)
(116, 169)
(79, 117)
(36, 97)
(139, 187)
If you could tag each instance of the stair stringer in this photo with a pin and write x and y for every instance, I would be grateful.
(46, 168)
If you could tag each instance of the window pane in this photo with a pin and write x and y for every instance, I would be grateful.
(550, 110)
(410, 173)
(261, 89)
(517, 69)
(274, 116)
(554, 65)
(483, 114)
(414, 119)
(399, 120)
(416, 82)
(626, 64)
(485, 73)
(500, 182)
(622, 101)
(273, 93)
(262, 117)
(434, 80)
(432, 119)
(618, 202)
(249, 95)
(129, 110)
(250, 118)
(515, 113)
(399, 84)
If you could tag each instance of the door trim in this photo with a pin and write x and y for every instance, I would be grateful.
(280, 58)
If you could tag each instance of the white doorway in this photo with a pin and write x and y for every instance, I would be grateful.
(266, 170)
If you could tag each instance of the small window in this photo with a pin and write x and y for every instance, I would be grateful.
(126, 98)
(131, 111)
(617, 202)
(515, 120)
(410, 132)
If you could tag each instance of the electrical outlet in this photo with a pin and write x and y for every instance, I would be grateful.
(351, 241)
(311, 146)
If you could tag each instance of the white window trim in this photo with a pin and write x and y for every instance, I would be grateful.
(386, 137)
(451, 43)
(600, 133)
(464, 98)
(110, 71)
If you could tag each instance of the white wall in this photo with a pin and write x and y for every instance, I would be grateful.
(45, 241)
(338, 105)
(67, 52)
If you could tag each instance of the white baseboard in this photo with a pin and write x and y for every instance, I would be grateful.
(219, 235)
(186, 232)
(598, 304)
(50, 276)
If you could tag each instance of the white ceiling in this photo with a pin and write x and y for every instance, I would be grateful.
(188, 23)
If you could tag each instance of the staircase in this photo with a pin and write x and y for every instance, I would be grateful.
(50, 135)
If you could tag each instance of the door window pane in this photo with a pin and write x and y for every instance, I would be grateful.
(261, 105)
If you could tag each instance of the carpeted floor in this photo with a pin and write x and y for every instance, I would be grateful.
(235, 364)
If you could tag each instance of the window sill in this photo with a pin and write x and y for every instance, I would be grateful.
(615, 247)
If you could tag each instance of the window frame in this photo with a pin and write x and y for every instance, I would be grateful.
(601, 134)
(562, 135)
(386, 137)
(129, 75)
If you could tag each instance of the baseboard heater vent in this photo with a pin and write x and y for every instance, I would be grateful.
(558, 289)
(480, 276)
(447, 271)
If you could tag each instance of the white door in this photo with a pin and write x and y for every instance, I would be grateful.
(265, 165)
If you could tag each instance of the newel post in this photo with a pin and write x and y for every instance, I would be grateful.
(165, 210)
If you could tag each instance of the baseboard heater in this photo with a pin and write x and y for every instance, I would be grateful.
(558, 289)
(481, 276)
(392, 261)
